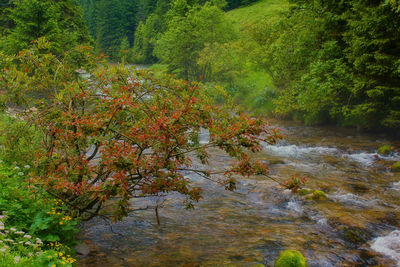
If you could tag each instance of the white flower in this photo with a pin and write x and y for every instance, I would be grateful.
(20, 173)
(20, 232)
(17, 259)
(3, 249)
(1, 226)
(16, 168)
(13, 229)
(8, 240)
(1, 161)
(30, 254)
(28, 236)
(3, 217)
(5, 212)
(27, 166)
(28, 243)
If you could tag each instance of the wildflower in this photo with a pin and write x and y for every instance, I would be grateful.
(27, 236)
(3, 249)
(27, 167)
(13, 229)
(20, 173)
(8, 240)
(17, 259)
(5, 212)
(1, 226)
(30, 254)
(16, 168)
(60, 254)
(20, 232)
(61, 223)
(28, 243)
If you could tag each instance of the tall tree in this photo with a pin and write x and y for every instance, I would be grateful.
(190, 28)
(59, 22)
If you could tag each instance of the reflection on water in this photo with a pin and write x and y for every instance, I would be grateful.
(359, 224)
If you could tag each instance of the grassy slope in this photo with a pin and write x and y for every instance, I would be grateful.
(257, 81)
(245, 16)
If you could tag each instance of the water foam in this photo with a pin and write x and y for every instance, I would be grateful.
(396, 186)
(353, 200)
(298, 151)
(295, 206)
(367, 159)
(388, 245)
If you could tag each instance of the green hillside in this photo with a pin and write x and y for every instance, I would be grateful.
(261, 10)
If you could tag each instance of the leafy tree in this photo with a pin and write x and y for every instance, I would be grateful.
(147, 34)
(373, 39)
(190, 28)
(123, 134)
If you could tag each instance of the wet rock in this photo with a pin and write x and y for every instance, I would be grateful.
(355, 236)
(236, 257)
(396, 167)
(276, 161)
(359, 188)
(385, 150)
(82, 249)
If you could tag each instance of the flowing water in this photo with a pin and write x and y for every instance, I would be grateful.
(359, 224)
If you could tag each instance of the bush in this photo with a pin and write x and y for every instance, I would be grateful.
(385, 150)
(33, 223)
(291, 258)
(396, 167)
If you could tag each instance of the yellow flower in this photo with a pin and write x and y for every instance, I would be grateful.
(60, 223)
(53, 265)
(60, 254)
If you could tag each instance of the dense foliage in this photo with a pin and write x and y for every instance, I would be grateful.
(344, 65)
(28, 20)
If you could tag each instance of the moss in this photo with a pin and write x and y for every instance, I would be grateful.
(396, 167)
(291, 258)
(319, 195)
(304, 191)
(385, 150)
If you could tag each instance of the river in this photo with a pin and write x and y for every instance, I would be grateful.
(359, 224)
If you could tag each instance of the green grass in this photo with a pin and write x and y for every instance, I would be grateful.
(245, 16)
(255, 90)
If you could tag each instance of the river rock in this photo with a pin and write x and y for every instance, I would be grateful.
(355, 235)
(275, 161)
(82, 249)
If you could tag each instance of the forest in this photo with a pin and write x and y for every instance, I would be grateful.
(334, 62)
(199, 133)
